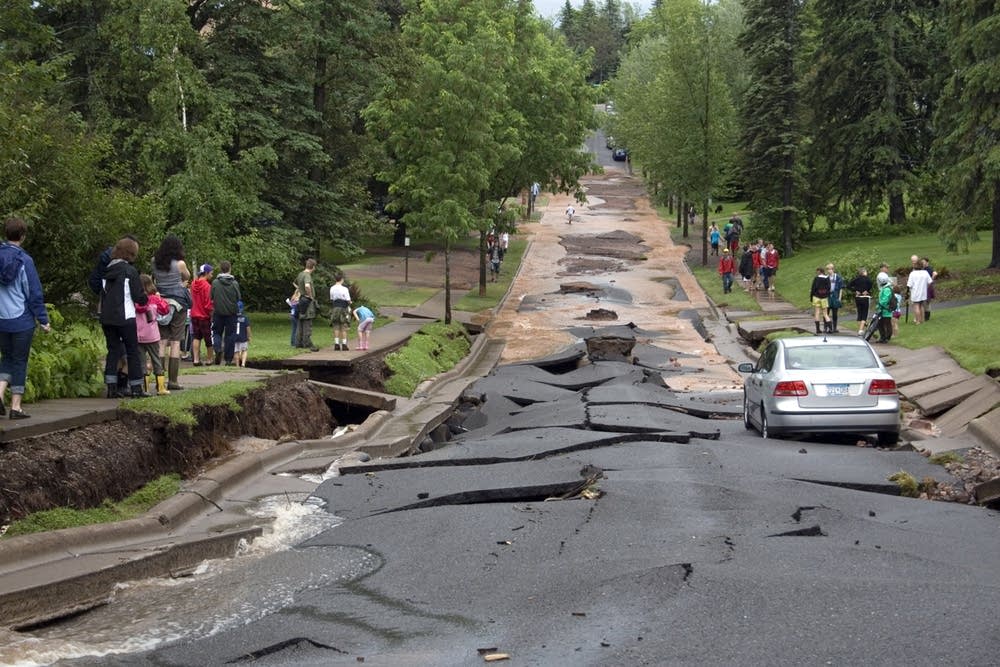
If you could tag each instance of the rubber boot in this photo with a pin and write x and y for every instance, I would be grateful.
(173, 369)
(113, 390)
(161, 386)
(817, 326)
(137, 392)
(827, 326)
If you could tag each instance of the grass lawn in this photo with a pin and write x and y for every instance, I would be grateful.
(474, 303)
(710, 280)
(961, 275)
(966, 332)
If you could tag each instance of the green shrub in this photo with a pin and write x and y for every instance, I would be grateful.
(433, 349)
(849, 262)
(66, 362)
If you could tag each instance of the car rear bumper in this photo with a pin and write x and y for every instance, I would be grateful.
(819, 421)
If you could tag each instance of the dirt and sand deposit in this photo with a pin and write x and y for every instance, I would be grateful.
(619, 245)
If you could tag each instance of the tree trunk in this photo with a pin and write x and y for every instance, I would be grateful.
(680, 209)
(687, 218)
(447, 282)
(704, 235)
(995, 262)
(897, 209)
(670, 205)
(787, 222)
(482, 262)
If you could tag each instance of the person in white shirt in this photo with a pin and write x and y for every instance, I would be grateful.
(918, 283)
(570, 211)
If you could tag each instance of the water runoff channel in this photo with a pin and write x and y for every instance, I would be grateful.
(218, 595)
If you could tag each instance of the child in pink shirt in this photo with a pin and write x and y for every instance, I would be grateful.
(149, 331)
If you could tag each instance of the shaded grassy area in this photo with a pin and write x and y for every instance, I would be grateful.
(435, 348)
(134, 505)
(960, 274)
(710, 280)
(473, 302)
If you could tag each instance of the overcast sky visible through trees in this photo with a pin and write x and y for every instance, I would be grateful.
(550, 8)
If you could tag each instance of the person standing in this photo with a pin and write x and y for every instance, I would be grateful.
(226, 298)
(171, 276)
(713, 239)
(121, 294)
(148, 331)
(570, 212)
(861, 285)
(726, 270)
(746, 266)
(201, 315)
(366, 322)
(504, 244)
(493, 254)
(836, 299)
(918, 283)
(885, 306)
(307, 305)
(925, 262)
(22, 304)
(819, 296)
(770, 266)
(340, 299)
(242, 337)
(293, 315)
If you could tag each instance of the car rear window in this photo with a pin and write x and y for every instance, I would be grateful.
(829, 356)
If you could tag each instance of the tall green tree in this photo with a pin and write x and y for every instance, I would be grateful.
(445, 119)
(967, 152)
(870, 126)
(771, 116)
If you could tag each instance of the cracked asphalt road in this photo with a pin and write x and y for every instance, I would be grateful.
(700, 544)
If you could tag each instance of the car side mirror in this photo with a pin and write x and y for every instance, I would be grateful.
(745, 368)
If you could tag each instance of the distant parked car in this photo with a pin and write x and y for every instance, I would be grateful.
(619, 154)
(820, 384)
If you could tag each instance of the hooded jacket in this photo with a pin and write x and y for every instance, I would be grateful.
(201, 299)
(121, 293)
(21, 299)
(226, 295)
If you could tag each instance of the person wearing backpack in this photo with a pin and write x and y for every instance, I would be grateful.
(836, 295)
(819, 295)
(886, 305)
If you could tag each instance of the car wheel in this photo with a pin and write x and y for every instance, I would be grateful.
(746, 413)
(888, 439)
(763, 422)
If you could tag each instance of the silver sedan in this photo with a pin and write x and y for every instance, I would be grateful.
(819, 384)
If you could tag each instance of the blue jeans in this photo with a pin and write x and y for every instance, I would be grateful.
(295, 326)
(727, 282)
(224, 336)
(14, 350)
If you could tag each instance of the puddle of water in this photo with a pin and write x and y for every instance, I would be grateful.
(264, 577)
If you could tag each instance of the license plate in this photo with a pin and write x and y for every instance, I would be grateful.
(838, 389)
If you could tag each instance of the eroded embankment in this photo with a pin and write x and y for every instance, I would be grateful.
(82, 467)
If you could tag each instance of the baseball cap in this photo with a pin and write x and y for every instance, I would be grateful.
(725, 250)
(205, 268)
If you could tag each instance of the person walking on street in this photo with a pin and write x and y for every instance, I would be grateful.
(493, 254)
(122, 293)
(307, 305)
(726, 270)
(570, 212)
(819, 296)
(340, 317)
(148, 331)
(836, 299)
(861, 285)
(22, 304)
(713, 238)
(226, 298)
(171, 276)
(201, 315)
(504, 244)
(366, 322)
(770, 267)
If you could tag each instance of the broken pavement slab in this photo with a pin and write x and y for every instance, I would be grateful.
(400, 489)
(987, 429)
(650, 419)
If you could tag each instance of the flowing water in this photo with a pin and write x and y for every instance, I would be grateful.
(262, 578)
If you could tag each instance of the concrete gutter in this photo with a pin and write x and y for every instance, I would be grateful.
(48, 575)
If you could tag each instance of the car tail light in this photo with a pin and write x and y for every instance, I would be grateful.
(792, 388)
(882, 387)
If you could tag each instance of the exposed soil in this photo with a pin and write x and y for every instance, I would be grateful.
(82, 467)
